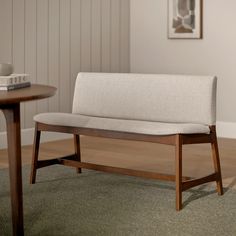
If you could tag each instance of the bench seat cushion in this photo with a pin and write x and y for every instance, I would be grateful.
(130, 126)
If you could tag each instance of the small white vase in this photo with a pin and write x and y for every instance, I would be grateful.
(6, 69)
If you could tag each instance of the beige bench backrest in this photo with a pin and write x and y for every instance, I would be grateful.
(163, 98)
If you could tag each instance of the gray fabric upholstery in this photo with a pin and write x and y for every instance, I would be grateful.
(161, 98)
(133, 126)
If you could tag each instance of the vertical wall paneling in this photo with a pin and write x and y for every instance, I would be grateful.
(6, 37)
(86, 35)
(75, 42)
(124, 35)
(115, 32)
(18, 43)
(30, 55)
(64, 93)
(105, 31)
(53, 51)
(96, 36)
(6, 40)
(54, 40)
(42, 49)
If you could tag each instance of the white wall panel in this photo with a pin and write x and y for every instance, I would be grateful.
(64, 84)
(42, 49)
(53, 40)
(96, 36)
(30, 55)
(54, 51)
(5, 40)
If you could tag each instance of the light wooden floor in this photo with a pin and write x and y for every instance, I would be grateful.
(139, 155)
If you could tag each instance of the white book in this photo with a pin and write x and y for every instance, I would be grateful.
(14, 86)
(13, 79)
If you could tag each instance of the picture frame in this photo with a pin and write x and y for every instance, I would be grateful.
(185, 19)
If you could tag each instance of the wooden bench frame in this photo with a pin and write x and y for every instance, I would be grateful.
(177, 140)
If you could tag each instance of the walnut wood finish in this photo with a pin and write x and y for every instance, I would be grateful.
(34, 92)
(10, 105)
(12, 115)
(168, 139)
(195, 182)
(177, 140)
(72, 161)
(77, 150)
(216, 160)
(178, 172)
(35, 154)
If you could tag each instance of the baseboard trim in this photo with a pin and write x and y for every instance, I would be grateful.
(27, 137)
(224, 130)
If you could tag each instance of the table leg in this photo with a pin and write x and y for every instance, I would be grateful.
(12, 115)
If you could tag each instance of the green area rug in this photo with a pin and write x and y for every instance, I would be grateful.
(94, 203)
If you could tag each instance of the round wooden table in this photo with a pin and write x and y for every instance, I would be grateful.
(10, 105)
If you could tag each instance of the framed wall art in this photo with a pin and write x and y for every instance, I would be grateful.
(185, 19)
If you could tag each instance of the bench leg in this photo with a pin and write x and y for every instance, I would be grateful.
(216, 161)
(77, 151)
(178, 174)
(35, 154)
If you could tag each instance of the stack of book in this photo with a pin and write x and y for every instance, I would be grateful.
(14, 81)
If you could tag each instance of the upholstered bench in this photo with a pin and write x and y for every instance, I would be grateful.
(167, 109)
